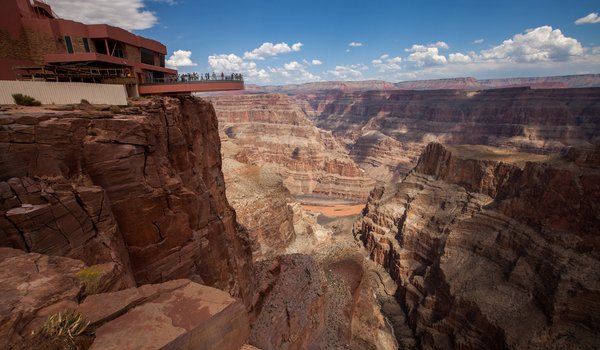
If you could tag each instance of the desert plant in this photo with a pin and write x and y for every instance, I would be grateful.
(90, 277)
(68, 324)
(25, 100)
(84, 101)
(115, 109)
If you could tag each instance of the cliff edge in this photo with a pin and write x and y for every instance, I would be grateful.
(493, 249)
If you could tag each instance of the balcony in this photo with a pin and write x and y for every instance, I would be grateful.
(178, 86)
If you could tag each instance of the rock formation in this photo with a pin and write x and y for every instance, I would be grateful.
(493, 249)
(275, 221)
(142, 189)
(387, 130)
(177, 314)
(463, 83)
(270, 129)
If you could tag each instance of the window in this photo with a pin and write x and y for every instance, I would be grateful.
(69, 44)
(147, 56)
(161, 57)
(100, 46)
(86, 45)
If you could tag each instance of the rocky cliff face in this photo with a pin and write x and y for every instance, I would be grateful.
(491, 249)
(36, 286)
(142, 189)
(469, 83)
(270, 129)
(387, 130)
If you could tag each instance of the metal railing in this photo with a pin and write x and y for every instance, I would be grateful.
(201, 78)
(73, 73)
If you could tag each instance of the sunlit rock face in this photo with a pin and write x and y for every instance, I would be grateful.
(273, 130)
(493, 249)
(385, 131)
(141, 188)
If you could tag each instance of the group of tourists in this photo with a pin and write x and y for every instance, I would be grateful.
(207, 76)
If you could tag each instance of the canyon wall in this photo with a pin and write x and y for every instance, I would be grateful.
(493, 249)
(272, 130)
(141, 188)
(385, 131)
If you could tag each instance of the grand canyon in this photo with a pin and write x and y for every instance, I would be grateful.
(328, 216)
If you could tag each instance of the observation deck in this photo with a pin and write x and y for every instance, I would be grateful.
(172, 86)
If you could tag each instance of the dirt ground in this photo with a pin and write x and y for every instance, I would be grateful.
(337, 210)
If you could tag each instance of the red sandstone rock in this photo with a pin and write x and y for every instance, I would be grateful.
(538, 121)
(178, 314)
(488, 252)
(271, 130)
(289, 310)
(33, 287)
(87, 184)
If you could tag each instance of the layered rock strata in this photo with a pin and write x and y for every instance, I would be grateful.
(178, 314)
(270, 129)
(142, 188)
(387, 130)
(492, 250)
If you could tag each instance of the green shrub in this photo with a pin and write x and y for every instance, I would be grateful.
(84, 101)
(24, 100)
(90, 277)
(115, 109)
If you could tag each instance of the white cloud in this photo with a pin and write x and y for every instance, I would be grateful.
(427, 55)
(535, 45)
(589, 19)
(316, 62)
(127, 14)
(459, 58)
(385, 63)
(181, 58)
(351, 72)
(535, 52)
(355, 44)
(440, 45)
(170, 2)
(229, 63)
(232, 63)
(269, 49)
(478, 41)
(293, 66)
(292, 72)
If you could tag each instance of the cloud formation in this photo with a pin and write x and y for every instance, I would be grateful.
(538, 51)
(459, 58)
(127, 14)
(355, 44)
(535, 45)
(423, 55)
(385, 63)
(293, 66)
(478, 41)
(316, 62)
(347, 72)
(180, 58)
(269, 49)
(589, 19)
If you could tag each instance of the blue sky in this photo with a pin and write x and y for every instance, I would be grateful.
(277, 42)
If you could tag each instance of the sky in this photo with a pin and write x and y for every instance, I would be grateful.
(273, 42)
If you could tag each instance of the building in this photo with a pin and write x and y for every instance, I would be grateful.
(36, 44)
